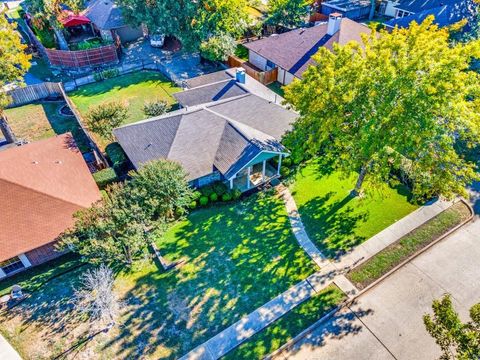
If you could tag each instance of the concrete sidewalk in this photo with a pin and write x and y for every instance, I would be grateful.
(7, 352)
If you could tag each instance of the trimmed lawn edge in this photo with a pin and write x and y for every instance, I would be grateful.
(294, 323)
(376, 268)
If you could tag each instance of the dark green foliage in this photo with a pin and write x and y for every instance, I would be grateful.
(213, 197)
(287, 13)
(220, 188)
(203, 200)
(105, 177)
(102, 119)
(236, 194)
(458, 340)
(227, 197)
(118, 158)
(106, 74)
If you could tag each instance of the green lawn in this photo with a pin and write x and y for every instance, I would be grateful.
(241, 52)
(132, 89)
(334, 219)
(41, 120)
(288, 326)
(238, 257)
(401, 250)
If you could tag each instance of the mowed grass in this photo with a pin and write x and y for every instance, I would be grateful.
(42, 120)
(237, 256)
(334, 219)
(387, 259)
(133, 90)
(288, 326)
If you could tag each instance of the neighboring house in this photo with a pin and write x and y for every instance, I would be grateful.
(291, 52)
(107, 18)
(352, 9)
(42, 184)
(446, 12)
(236, 140)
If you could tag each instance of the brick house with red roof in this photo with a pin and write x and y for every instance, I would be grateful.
(42, 184)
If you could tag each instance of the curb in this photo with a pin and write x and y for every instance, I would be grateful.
(350, 301)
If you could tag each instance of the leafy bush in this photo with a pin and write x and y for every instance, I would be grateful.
(196, 195)
(102, 119)
(155, 107)
(213, 197)
(227, 197)
(236, 194)
(287, 161)
(193, 204)
(284, 171)
(218, 48)
(105, 177)
(203, 200)
(106, 74)
(207, 190)
(117, 157)
(219, 188)
(87, 44)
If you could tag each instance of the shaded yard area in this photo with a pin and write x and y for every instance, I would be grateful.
(42, 120)
(276, 87)
(133, 89)
(334, 219)
(238, 257)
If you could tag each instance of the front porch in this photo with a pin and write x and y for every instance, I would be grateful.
(257, 174)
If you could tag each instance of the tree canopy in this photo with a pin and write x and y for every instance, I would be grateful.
(192, 22)
(398, 101)
(288, 13)
(457, 340)
(14, 62)
(118, 229)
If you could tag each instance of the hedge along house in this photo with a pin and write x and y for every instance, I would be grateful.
(42, 184)
(236, 140)
(292, 52)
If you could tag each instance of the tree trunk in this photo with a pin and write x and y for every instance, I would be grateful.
(62, 42)
(372, 9)
(6, 130)
(361, 178)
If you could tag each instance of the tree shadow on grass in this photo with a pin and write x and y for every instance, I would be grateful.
(240, 256)
(332, 225)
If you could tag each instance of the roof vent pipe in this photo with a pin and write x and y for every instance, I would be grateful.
(334, 22)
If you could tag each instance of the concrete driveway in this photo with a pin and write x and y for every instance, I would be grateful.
(386, 322)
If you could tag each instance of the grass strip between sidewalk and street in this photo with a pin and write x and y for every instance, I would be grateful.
(288, 326)
(380, 264)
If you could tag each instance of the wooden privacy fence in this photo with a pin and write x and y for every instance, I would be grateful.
(265, 77)
(32, 93)
(82, 58)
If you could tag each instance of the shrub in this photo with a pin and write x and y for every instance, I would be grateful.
(118, 158)
(155, 107)
(196, 195)
(193, 204)
(286, 161)
(102, 119)
(207, 190)
(284, 171)
(213, 197)
(218, 48)
(106, 74)
(220, 188)
(203, 200)
(227, 197)
(236, 194)
(105, 177)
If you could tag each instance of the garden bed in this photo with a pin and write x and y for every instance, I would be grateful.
(387, 259)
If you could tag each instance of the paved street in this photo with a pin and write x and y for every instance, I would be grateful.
(386, 322)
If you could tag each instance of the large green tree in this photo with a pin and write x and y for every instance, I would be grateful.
(119, 229)
(192, 22)
(46, 14)
(397, 101)
(458, 340)
(14, 62)
(288, 13)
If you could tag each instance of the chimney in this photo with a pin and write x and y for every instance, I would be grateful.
(334, 21)
(240, 76)
(7, 131)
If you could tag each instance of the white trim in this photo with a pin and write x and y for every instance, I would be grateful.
(248, 177)
(23, 258)
(279, 164)
(2, 274)
(231, 183)
(263, 170)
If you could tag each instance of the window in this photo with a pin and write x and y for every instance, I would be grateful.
(11, 265)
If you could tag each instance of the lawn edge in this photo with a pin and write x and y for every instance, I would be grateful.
(418, 252)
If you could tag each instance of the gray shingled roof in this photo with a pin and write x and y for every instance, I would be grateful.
(206, 138)
(207, 79)
(207, 93)
(105, 14)
(293, 50)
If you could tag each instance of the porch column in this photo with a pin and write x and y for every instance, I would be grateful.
(279, 164)
(248, 177)
(2, 274)
(231, 183)
(263, 170)
(23, 258)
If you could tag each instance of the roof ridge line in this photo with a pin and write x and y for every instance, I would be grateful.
(209, 84)
(42, 193)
